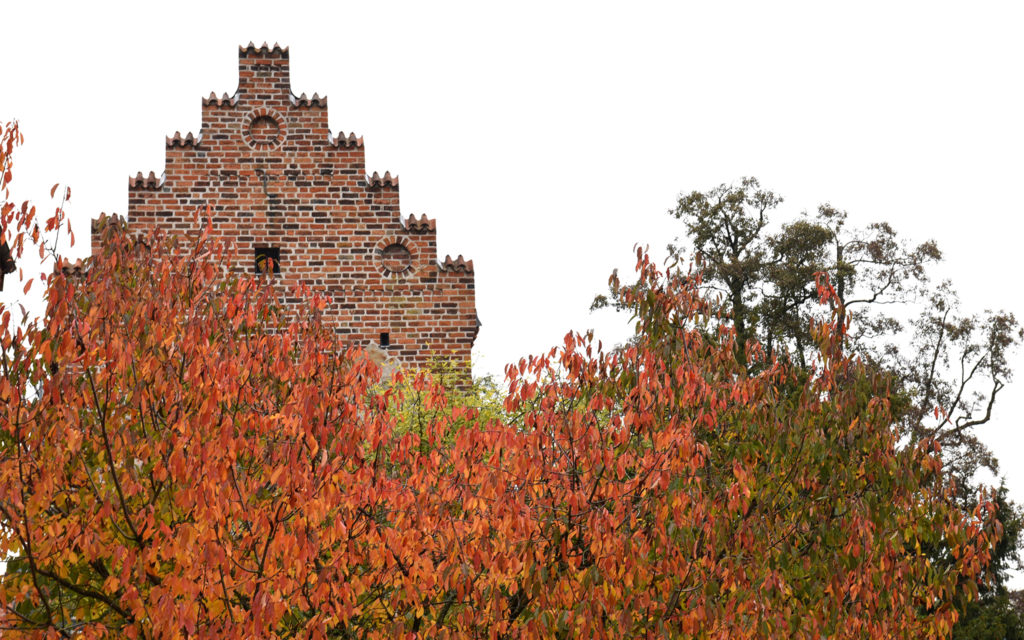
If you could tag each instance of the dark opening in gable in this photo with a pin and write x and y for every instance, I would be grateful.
(267, 256)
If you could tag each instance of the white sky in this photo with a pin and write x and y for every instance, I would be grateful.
(548, 138)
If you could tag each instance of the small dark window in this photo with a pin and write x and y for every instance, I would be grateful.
(265, 256)
(385, 339)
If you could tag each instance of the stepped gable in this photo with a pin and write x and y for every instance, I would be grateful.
(281, 186)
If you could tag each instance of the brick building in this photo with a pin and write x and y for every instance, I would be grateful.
(283, 188)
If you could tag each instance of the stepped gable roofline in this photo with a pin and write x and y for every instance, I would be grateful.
(265, 147)
(342, 141)
(150, 182)
(262, 50)
(458, 264)
(421, 224)
(376, 180)
(178, 140)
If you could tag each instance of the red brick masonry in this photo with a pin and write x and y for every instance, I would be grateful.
(280, 184)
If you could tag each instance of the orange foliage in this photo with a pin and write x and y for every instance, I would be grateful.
(182, 458)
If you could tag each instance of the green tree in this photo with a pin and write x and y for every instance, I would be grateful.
(938, 356)
(947, 366)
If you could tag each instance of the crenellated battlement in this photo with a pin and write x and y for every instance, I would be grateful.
(341, 141)
(421, 225)
(150, 182)
(178, 140)
(251, 50)
(385, 181)
(458, 264)
(315, 101)
(223, 101)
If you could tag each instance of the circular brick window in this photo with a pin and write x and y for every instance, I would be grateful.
(395, 258)
(265, 132)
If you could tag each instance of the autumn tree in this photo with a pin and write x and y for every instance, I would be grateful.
(181, 456)
(947, 365)
(998, 614)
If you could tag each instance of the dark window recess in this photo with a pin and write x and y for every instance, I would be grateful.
(385, 339)
(266, 256)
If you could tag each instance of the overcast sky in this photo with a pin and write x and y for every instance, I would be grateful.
(549, 138)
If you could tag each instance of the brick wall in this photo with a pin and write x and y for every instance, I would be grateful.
(280, 184)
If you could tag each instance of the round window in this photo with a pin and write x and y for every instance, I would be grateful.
(396, 258)
(265, 132)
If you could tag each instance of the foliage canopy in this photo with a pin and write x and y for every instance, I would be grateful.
(182, 457)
